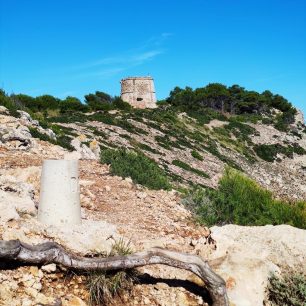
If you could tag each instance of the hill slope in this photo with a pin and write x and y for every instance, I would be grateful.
(193, 152)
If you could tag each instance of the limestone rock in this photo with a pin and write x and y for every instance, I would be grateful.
(49, 268)
(16, 198)
(4, 110)
(27, 119)
(72, 300)
(18, 138)
(90, 236)
(84, 152)
(250, 254)
(299, 117)
(95, 148)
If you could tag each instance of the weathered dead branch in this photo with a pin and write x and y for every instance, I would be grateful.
(51, 252)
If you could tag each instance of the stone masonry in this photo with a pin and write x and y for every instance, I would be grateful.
(139, 92)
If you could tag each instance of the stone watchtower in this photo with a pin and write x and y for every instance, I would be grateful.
(138, 91)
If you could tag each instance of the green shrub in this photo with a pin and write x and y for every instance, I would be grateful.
(185, 166)
(240, 200)
(287, 290)
(269, 152)
(136, 165)
(196, 155)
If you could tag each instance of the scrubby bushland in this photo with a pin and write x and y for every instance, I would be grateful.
(50, 106)
(234, 99)
(287, 290)
(240, 200)
(136, 165)
(103, 101)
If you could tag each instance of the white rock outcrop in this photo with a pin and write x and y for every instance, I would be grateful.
(16, 197)
(249, 255)
(90, 236)
(82, 151)
(27, 120)
(17, 137)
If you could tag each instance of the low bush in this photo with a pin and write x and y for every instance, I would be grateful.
(185, 166)
(196, 155)
(287, 290)
(136, 165)
(61, 140)
(240, 200)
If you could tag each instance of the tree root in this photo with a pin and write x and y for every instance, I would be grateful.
(51, 252)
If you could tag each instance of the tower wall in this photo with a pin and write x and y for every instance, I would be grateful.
(138, 92)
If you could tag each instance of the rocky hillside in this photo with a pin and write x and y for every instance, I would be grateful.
(114, 208)
(193, 152)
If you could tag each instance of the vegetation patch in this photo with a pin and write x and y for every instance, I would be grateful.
(234, 99)
(186, 167)
(211, 147)
(287, 290)
(145, 147)
(61, 140)
(242, 131)
(196, 155)
(109, 119)
(63, 130)
(269, 152)
(105, 286)
(240, 200)
(69, 118)
(136, 165)
(10, 104)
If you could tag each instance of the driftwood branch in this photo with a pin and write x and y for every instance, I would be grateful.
(50, 252)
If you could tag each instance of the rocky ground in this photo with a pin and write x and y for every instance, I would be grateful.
(114, 208)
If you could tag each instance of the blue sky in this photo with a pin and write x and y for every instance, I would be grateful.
(73, 47)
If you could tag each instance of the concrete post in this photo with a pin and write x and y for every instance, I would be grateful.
(59, 202)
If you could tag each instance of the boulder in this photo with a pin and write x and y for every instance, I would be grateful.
(19, 137)
(248, 255)
(4, 110)
(27, 119)
(89, 237)
(16, 198)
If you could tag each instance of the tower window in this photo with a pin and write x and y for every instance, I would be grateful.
(139, 99)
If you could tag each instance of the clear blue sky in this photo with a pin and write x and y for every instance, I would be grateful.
(73, 47)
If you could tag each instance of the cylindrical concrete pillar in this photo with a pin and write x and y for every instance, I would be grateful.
(59, 202)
